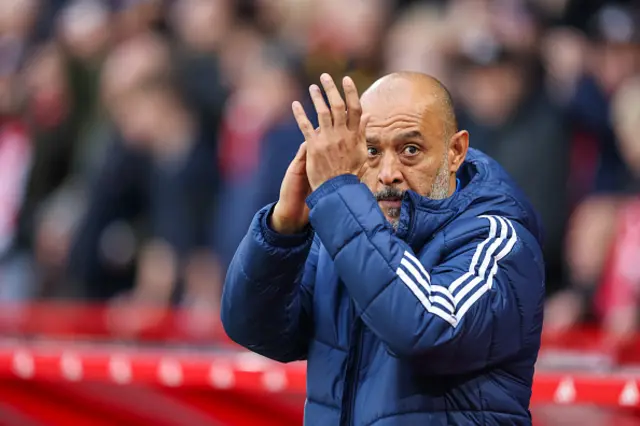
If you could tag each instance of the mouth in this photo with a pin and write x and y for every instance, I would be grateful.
(390, 203)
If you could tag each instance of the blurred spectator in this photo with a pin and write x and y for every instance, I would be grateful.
(611, 57)
(15, 157)
(162, 169)
(202, 28)
(604, 161)
(605, 280)
(342, 42)
(84, 31)
(17, 20)
(55, 128)
(626, 122)
(77, 142)
(418, 41)
(513, 121)
(589, 237)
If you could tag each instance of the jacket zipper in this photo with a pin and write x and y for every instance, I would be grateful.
(353, 369)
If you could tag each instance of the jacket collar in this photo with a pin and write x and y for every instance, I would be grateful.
(422, 217)
(483, 187)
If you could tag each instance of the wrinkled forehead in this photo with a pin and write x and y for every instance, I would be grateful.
(390, 110)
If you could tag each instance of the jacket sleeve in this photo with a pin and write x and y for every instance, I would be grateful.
(267, 296)
(477, 307)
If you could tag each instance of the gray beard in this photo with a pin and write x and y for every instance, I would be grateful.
(440, 186)
(439, 191)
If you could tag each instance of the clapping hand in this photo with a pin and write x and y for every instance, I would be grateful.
(291, 213)
(338, 146)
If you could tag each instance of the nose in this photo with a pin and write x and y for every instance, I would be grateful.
(390, 173)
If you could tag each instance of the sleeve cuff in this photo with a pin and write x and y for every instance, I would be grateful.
(331, 186)
(280, 240)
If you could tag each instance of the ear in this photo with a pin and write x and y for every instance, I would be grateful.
(458, 146)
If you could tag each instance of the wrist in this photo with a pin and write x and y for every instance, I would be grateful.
(282, 225)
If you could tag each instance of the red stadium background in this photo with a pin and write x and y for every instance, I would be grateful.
(64, 364)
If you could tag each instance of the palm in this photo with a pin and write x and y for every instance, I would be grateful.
(337, 147)
(291, 213)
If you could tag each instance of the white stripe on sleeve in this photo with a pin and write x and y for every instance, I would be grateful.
(447, 316)
(488, 283)
(471, 285)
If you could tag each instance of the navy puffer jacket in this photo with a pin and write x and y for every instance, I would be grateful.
(437, 323)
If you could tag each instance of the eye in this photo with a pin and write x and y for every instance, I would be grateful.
(372, 151)
(411, 150)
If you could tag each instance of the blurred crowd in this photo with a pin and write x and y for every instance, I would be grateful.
(138, 137)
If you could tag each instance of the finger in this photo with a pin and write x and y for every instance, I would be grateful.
(335, 100)
(354, 109)
(324, 115)
(363, 127)
(304, 124)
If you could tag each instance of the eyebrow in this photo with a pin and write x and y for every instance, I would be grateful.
(414, 134)
(373, 140)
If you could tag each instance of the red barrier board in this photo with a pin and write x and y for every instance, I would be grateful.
(82, 365)
(248, 372)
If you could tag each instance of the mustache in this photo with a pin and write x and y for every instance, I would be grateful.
(388, 193)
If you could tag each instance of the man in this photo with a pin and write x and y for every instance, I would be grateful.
(412, 283)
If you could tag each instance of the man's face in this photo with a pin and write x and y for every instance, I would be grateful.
(407, 146)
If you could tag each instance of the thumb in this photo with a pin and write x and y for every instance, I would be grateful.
(302, 151)
(301, 155)
(299, 163)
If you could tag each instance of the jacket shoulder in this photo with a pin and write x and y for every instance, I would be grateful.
(501, 255)
(508, 239)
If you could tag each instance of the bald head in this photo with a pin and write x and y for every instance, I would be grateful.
(421, 90)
